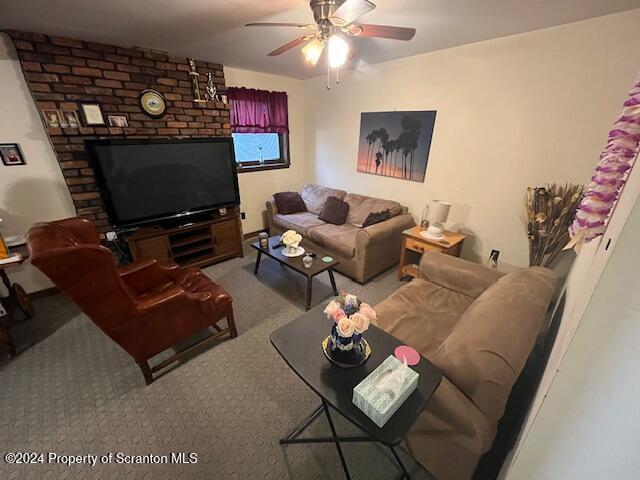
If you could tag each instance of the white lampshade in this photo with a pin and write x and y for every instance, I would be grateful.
(439, 211)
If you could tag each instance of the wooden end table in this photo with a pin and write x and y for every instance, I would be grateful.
(414, 245)
(300, 344)
(274, 250)
(16, 298)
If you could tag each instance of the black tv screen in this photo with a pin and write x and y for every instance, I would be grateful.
(143, 181)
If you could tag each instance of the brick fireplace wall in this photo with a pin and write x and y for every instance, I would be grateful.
(62, 73)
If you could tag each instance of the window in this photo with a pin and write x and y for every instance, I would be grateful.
(261, 150)
(260, 128)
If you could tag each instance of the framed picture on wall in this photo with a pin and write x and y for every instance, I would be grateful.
(11, 154)
(51, 117)
(70, 118)
(92, 114)
(118, 120)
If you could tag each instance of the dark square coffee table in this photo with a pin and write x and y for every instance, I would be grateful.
(295, 263)
(300, 345)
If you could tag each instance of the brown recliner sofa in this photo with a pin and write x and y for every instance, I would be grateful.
(478, 326)
(363, 252)
(144, 307)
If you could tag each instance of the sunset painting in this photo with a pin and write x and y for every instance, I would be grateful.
(395, 144)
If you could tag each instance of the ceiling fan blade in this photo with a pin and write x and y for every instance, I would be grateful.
(382, 31)
(290, 45)
(350, 11)
(281, 24)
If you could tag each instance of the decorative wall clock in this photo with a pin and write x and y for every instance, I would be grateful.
(152, 103)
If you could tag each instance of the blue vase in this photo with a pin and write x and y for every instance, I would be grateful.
(346, 351)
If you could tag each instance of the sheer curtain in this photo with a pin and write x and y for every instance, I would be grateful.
(258, 111)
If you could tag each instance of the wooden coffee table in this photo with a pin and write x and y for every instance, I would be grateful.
(295, 263)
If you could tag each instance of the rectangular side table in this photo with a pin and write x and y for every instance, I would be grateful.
(300, 345)
(414, 245)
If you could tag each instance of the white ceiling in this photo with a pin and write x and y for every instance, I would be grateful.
(213, 29)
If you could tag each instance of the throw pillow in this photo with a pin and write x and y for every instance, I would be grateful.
(315, 196)
(289, 202)
(334, 211)
(377, 217)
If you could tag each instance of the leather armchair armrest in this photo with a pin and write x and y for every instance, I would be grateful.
(384, 230)
(172, 293)
(456, 274)
(147, 275)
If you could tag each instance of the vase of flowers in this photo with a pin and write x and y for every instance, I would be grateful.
(351, 318)
(291, 240)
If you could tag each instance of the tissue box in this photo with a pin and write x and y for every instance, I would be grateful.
(385, 390)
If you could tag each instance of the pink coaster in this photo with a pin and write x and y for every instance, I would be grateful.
(405, 351)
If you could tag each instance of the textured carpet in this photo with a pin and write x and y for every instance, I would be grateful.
(77, 393)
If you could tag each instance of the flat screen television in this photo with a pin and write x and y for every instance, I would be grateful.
(146, 181)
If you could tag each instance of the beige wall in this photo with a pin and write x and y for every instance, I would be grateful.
(588, 425)
(512, 112)
(258, 187)
(36, 191)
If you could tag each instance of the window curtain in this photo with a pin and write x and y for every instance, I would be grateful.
(258, 111)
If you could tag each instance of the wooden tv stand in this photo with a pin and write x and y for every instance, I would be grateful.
(194, 245)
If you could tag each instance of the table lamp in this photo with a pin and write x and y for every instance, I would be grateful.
(438, 213)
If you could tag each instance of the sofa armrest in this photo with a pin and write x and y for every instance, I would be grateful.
(382, 231)
(272, 211)
(457, 274)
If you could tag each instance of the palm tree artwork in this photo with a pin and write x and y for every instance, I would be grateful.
(396, 144)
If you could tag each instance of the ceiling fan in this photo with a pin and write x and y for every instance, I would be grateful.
(334, 19)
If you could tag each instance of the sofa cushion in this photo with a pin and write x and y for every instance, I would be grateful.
(361, 206)
(315, 196)
(300, 222)
(340, 238)
(334, 211)
(421, 314)
(488, 347)
(451, 434)
(289, 202)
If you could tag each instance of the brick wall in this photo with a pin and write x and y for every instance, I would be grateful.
(62, 73)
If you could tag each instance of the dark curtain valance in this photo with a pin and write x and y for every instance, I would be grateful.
(258, 111)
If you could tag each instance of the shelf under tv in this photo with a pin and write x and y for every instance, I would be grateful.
(197, 244)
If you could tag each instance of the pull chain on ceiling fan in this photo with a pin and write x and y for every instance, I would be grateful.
(336, 19)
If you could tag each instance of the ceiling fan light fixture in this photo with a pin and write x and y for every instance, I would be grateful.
(338, 51)
(312, 51)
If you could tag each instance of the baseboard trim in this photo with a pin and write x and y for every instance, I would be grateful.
(250, 235)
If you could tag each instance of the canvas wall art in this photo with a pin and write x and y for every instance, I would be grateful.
(396, 144)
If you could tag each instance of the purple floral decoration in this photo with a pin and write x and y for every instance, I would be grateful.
(611, 173)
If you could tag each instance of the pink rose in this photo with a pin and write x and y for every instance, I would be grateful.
(345, 327)
(331, 308)
(367, 311)
(338, 315)
(360, 322)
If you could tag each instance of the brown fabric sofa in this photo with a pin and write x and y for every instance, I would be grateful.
(362, 252)
(478, 326)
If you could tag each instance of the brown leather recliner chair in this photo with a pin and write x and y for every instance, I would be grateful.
(144, 307)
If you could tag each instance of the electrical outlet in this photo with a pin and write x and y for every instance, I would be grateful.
(243, 215)
(111, 236)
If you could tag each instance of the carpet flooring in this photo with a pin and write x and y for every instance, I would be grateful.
(72, 391)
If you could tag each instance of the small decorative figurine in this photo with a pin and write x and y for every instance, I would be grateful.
(211, 88)
(193, 73)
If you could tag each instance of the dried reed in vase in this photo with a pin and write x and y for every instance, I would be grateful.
(548, 213)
